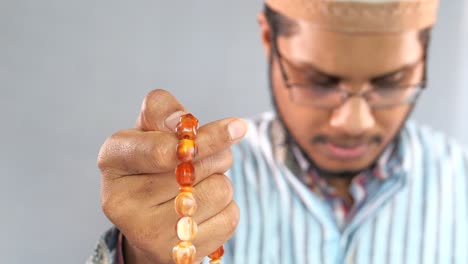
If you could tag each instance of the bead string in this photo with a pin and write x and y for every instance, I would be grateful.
(185, 205)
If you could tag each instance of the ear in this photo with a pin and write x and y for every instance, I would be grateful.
(265, 33)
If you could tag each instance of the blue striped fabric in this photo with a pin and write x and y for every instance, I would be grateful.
(418, 215)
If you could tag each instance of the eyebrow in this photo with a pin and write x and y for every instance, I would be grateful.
(311, 68)
(388, 75)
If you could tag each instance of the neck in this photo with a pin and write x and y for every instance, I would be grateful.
(341, 186)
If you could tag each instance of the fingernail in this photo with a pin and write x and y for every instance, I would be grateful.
(237, 129)
(172, 120)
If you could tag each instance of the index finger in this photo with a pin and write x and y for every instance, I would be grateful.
(135, 152)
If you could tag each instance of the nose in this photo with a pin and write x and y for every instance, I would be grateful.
(354, 117)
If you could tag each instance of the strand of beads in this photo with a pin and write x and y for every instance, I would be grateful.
(216, 255)
(185, 205)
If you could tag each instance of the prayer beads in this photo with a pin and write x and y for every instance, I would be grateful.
(184, 252)
(187, 128)
(185, 204)
(186, 228)
(186, 150)
(185, 174)
(216, 255)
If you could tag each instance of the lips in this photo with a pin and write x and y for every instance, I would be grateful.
(347, 152)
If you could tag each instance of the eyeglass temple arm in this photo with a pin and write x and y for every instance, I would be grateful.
(275, 52)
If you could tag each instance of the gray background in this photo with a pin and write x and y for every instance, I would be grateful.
(73, 72)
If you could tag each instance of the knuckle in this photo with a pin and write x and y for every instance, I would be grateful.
(159, 154)
(115, 154)
(217, 163)
(214, 164)
(230, 218)
(212, 142)
(102, 156)
(103, 160)
(216, 192)
(228, 159)
(226, 136)
(204, 166)
(223, 136)
(222, 189)
(227, 188)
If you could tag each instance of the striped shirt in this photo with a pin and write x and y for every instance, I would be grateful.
(418, 214)
(361, 185)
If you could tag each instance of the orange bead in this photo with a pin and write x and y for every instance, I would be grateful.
(186, 228)
(185, 204)
(185, 174)
(215, 261)
(187, 127)
(184, 253)
(186, 150)
(186, 188)
(217, 254)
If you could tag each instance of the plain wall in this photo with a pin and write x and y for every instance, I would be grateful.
(74, 72)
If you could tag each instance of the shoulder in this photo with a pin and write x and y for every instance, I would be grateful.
(437, 144)
(427, 147)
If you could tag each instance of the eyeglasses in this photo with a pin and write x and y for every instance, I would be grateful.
(332, 97)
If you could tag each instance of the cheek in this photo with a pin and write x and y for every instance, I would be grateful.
(301, 120)
(389, 121)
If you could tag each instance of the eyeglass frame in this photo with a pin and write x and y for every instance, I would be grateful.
(419, 87)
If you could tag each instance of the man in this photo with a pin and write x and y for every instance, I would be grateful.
(336, 175)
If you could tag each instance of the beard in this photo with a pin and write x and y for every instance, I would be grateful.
(323, 172)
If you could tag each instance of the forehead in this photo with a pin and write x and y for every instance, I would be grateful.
(351, 54)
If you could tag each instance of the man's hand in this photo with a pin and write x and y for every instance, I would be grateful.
(138, 182)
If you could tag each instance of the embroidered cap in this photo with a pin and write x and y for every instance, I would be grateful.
(361, 15)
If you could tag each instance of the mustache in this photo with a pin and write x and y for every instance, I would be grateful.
(346, 140)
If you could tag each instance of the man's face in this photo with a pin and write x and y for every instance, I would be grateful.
(350, 137)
